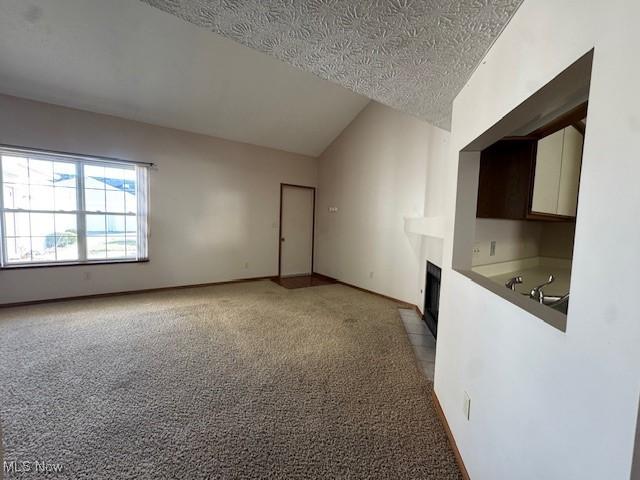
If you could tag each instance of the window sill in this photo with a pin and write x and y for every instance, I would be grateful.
(23, 266)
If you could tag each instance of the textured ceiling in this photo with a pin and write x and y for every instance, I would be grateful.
(414, 55)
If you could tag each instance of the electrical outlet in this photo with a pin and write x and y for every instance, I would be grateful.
(467, 405)
(476, 250)
(370, 274)
(492, 250)
(246, 264)
(86, 276)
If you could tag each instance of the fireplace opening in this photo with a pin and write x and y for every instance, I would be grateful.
(432, 297)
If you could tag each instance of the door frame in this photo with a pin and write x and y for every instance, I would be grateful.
(313, 227)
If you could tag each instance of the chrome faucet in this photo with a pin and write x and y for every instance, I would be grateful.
(553, 300)
(537, 294)
(511, 284)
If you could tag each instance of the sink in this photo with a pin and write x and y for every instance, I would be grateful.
(561, 306)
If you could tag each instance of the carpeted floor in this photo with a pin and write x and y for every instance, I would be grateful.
(237, 381)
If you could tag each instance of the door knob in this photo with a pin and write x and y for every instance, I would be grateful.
(282, 239)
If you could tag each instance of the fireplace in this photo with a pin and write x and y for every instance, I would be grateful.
(432, 297)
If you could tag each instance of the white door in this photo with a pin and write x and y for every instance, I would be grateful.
(296, 240)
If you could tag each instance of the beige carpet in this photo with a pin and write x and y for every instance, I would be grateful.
(237, 381)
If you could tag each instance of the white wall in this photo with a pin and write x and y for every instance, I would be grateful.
(514, 239)
(376, 172)
(214, 203)
(547, 404)
(518, 239)
(435, 198)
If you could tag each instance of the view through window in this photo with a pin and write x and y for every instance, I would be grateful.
(64, 209)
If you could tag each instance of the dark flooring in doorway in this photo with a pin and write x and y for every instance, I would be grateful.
(303, 281)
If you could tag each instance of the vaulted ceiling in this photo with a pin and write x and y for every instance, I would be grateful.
(125, 58)
(414, 55)
(261, 76)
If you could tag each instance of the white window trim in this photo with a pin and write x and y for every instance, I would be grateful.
(142, 196)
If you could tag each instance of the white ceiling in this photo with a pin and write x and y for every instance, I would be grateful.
(128, 59)
(413, 55)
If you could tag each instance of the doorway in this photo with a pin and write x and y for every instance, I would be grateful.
(297, 225)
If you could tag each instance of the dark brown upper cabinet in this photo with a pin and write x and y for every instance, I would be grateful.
(534, 177)
(505, 179)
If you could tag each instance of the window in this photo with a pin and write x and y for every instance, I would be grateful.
(69, 209)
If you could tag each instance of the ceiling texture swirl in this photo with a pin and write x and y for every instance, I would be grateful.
(413, 55)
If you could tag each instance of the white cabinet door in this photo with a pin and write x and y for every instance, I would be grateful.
(546, 184)
(570, 173)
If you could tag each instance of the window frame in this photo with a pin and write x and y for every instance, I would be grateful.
(80, 212)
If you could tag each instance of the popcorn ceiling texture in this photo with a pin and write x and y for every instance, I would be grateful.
(413, 55)
(239, 381)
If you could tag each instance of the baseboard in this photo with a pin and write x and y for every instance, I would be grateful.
(401, 302)
(197, 285)
(131, 292)
(452, 440)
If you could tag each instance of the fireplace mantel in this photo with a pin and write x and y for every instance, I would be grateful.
(426, 226)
